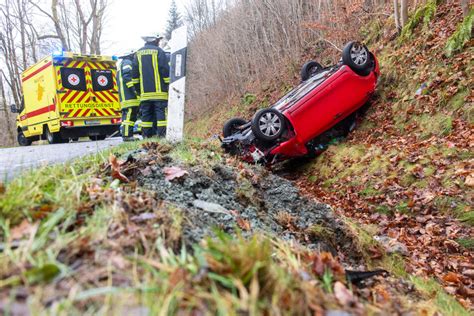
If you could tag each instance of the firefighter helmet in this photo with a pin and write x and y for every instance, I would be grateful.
(129, 53)
(151, 38)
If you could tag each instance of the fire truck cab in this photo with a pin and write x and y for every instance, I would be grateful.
(67, 96)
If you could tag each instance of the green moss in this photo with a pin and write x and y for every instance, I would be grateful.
(369, 191)
(312, 178)
(466, 217)
(248, 99)
(402, 207)
(383, 209)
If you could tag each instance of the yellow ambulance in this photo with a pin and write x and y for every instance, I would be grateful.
(67, 96)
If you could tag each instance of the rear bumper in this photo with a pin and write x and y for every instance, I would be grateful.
(74, 132)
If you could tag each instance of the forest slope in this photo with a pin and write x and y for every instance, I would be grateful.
(406, 173)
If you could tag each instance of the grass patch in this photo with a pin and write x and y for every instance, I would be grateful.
(364, 242)
(434, 292)
(456, 207)
(438, 124)
(383, 209)
(458, 100)
(467, 243)
(369, 192)
(37, 193)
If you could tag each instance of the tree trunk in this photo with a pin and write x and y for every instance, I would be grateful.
(396, 15)
(57, 25)
(8, 123)
(404, 12)
(465, 7)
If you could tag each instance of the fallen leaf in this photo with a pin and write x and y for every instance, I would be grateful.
(342, 294)
(172, 173)
(143, 217)
(147, 171)
(177, 276)
(243, 224)
(469, 273)
(451, 277)
(470, 180)
(25, 228)
(116, 174)
(118, 261)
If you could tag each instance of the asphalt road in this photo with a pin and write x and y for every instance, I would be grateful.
(17, 159)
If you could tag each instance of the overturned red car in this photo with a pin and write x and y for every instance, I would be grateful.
(323, 107)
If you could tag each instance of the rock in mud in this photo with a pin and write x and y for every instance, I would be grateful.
(210, 207)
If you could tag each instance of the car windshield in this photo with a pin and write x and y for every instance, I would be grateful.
(303, 89)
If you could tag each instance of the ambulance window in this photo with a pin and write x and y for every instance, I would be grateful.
(102, 80)
(73, 78)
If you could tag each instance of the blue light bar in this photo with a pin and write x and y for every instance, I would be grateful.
(58, 53)
(114, 57)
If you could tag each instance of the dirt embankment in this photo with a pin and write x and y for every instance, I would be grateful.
(237, 197)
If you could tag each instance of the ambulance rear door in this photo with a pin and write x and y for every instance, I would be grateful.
(104, 90)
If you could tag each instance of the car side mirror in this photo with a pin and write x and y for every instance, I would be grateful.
(13, 108)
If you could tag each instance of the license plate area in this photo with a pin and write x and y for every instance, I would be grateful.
(92, 122)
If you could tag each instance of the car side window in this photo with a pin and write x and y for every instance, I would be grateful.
(73, 79)
(102, 80)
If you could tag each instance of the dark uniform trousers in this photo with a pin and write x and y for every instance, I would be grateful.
(154, 111)
(129, 117)
(128, 97)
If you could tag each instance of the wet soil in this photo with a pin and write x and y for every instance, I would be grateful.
(246, 199)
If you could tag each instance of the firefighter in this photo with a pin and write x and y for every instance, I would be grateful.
(128, 96)
(151, 79)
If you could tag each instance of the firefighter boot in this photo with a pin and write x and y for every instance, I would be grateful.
(128, 122)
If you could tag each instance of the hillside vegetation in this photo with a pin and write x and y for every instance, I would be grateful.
(149, 228)
(406, 172)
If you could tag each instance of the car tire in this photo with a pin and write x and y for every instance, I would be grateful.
(53, 138)
(230, 127)
(268, 124)
(358, 58)
(97, 137)
(310, 69)
(23, 140)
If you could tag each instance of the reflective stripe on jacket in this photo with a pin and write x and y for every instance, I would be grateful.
(127, 94)
(151, 73)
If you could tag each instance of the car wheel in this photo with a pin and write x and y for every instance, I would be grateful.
(98, 137)
(230, 127)
(53, 138)
(268, 124)
(358, 58)
(23, 140)
(310, 69)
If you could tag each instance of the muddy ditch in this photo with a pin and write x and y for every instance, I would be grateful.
(238, 198)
